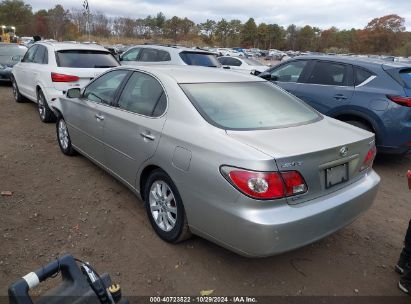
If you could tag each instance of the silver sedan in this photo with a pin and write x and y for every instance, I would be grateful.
(229, 157)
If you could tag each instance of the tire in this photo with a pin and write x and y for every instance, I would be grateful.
(45, 113)
(16, 93)
(63, 137)
(360, 125)
(171, 226)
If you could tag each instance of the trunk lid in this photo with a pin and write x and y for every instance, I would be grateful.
(311, 150)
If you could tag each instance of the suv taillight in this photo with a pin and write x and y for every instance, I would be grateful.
(56, 77)
(265, 185)
(403, 101)
(369, 159)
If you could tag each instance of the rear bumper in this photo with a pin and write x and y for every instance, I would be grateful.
(268, 231)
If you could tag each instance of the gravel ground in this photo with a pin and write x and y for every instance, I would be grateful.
(66, 204)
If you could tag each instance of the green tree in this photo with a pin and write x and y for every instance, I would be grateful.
(222, 31)
(249, 33)
(207, 30)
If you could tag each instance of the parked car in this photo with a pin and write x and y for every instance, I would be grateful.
(10, 54)
(371, 94)
(243, 65)
(172, 55)
(258, 178)
(49, 69)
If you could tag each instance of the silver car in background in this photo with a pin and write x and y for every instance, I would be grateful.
(226, 156)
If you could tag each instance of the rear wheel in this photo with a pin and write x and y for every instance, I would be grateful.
(165, 208)
(46, 114)
(16, 93)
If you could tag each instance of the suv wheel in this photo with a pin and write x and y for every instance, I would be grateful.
(165, 208)
(16, 93)
(46, 115)
(63, 137)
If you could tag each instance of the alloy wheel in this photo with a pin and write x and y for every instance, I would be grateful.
(41, 106)
(63, 134)
(163, 205)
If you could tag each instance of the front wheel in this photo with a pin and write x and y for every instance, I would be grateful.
(63, 137)
(46, 114)
(165, 208)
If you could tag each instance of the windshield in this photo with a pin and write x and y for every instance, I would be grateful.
(250, 61)
(85, 59)
(248, 105)
(12, 50)
(201, 59)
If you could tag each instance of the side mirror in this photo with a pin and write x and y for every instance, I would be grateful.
(264, 75)
(120, 57)
(73, 93)
(273, 78)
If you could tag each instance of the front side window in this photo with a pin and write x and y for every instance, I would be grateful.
(29, 57)
(248, 105)
(143, 95)
(85, 59)
(153, 55)
(104, 88)
(290, 72)
(328, 73)
(40, 56)
(131, 55)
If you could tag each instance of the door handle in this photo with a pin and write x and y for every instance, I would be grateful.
(99, 117)
(340, 97)
(147, 136)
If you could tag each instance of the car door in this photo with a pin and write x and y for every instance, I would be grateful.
(326, 85)
(287, 75)
(37, 67)
(133, 129)
(22, 71)
(85, 116)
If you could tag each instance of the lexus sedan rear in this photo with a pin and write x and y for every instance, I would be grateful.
(225, 156)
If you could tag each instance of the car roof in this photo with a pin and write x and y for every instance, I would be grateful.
(59, 46)
(171, 48)
(359, 61)
(195, 74)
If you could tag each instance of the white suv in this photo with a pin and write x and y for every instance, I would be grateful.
(49, 69)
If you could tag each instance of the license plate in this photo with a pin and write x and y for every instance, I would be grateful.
(336, 175)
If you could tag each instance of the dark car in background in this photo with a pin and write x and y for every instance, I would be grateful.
(371, 94)
(10, 54)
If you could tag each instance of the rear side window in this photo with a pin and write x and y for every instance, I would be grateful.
(233, 62)
(201, 59)
(143, 95)
(328, 73)
(361, 75)
(153, 55)
(86, 59)
(406, 76)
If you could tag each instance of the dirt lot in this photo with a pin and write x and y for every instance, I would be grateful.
(66, 204)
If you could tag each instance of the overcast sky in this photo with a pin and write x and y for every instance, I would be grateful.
(343, 14)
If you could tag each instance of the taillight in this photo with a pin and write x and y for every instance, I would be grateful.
(369, 159)
(403, 101)
(56, 77)
(266, 185)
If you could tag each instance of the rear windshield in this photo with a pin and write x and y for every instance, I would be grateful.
(85, 59)
(248, 105)
(406, 76)
(202, 59)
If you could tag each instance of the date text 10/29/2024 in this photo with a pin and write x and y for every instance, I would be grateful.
(202, 299)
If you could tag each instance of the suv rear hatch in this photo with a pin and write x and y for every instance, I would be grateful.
(401, 74)
(325, 153)
(76, 68)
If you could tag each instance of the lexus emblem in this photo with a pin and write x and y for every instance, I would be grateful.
(344, 151)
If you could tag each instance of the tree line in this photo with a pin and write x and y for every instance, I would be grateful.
(383, 35)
